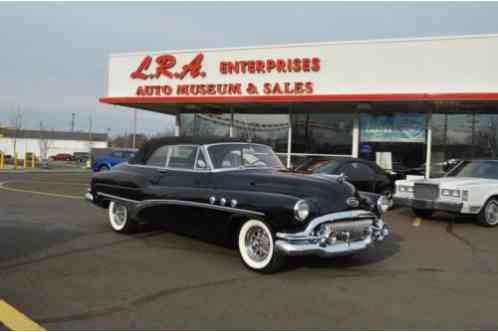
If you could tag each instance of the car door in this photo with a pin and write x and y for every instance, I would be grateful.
(359, 174)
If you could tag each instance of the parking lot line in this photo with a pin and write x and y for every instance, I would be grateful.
(15, 320)
(417, 222)
(3, 187)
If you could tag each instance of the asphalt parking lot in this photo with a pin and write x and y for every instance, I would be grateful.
(63, 267)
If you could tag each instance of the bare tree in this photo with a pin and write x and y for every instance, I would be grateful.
(16, 120)
(45, 143)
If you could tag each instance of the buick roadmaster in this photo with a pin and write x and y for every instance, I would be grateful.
(240, 191)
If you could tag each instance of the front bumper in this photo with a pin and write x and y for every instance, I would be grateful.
(334, 243)
(428, 205)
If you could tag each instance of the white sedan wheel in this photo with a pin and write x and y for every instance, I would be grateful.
(491, 213)
(118, 216)
(256, 244)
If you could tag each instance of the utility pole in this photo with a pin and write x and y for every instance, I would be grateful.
(134, 128)
(73, 118)
(90, 124)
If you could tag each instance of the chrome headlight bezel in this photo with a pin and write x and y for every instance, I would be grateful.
(455, 193)
(301, 210)
(405, 189)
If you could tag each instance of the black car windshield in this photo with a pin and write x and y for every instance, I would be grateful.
(247, 155)
(476, 169)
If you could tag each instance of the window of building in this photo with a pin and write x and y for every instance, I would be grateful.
(205, 124)
(269, 129)
(322, 133)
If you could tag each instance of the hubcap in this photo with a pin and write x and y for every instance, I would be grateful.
(492, 213)
(119, 213)
(257, 243)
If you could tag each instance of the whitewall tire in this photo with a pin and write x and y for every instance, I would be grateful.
(119, 218)
(257, 247)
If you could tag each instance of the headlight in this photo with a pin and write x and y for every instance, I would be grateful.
(301, 210)
(450, 193)
(383, 204)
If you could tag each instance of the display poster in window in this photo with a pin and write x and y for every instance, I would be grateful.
(408, 128)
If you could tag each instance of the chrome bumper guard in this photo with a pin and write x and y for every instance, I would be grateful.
(335, 241)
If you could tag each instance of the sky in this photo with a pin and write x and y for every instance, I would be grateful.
(54, 56)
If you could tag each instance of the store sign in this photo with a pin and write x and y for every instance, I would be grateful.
(168, 73)
(409, 128)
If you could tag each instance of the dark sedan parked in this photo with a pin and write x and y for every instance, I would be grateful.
(240, 191)
(363, 174)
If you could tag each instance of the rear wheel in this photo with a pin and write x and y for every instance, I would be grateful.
(119, 218)
(422, 213)
(257, 247)
(489, 213)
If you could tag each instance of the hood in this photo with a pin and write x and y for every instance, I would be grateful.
(327, 193)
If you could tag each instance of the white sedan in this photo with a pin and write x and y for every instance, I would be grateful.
(470, 188)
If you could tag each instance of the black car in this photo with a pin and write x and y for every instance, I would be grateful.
(363, 174)
(239, 191)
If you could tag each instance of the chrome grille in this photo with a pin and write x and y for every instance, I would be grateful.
(356, 228)
(426, 191)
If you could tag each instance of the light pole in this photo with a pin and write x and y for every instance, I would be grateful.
(134, 128)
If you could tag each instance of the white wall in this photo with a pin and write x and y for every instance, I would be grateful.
(55, 146)
(423, 65)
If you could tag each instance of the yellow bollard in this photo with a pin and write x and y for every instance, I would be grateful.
(15, 160)
(33, 160)
(25, 161)
(2, 160)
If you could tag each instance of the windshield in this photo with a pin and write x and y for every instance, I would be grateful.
(476, 169)
(236, 155)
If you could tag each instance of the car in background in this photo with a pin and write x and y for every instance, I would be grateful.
(470, 188)
(81, 156)
(62, 157)
(107, 161)
(363, 174)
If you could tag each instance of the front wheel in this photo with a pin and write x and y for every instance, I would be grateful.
(489, 213)
(422, 213)
(119, 218)
(257, 247)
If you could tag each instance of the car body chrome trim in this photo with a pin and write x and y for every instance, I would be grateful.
(151, 202)
(117, 198)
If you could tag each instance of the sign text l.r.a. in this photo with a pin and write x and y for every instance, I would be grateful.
(164, 67)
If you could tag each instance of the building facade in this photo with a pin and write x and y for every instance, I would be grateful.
(48, 143)
(404, 103)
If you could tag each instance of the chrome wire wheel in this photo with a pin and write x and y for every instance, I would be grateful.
(491, 213)
(256, 246)
(257, 243)
(118, 216)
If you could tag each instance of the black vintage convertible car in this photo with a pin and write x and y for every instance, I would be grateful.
(241, 191)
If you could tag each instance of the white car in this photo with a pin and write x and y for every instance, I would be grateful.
(470, 188)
